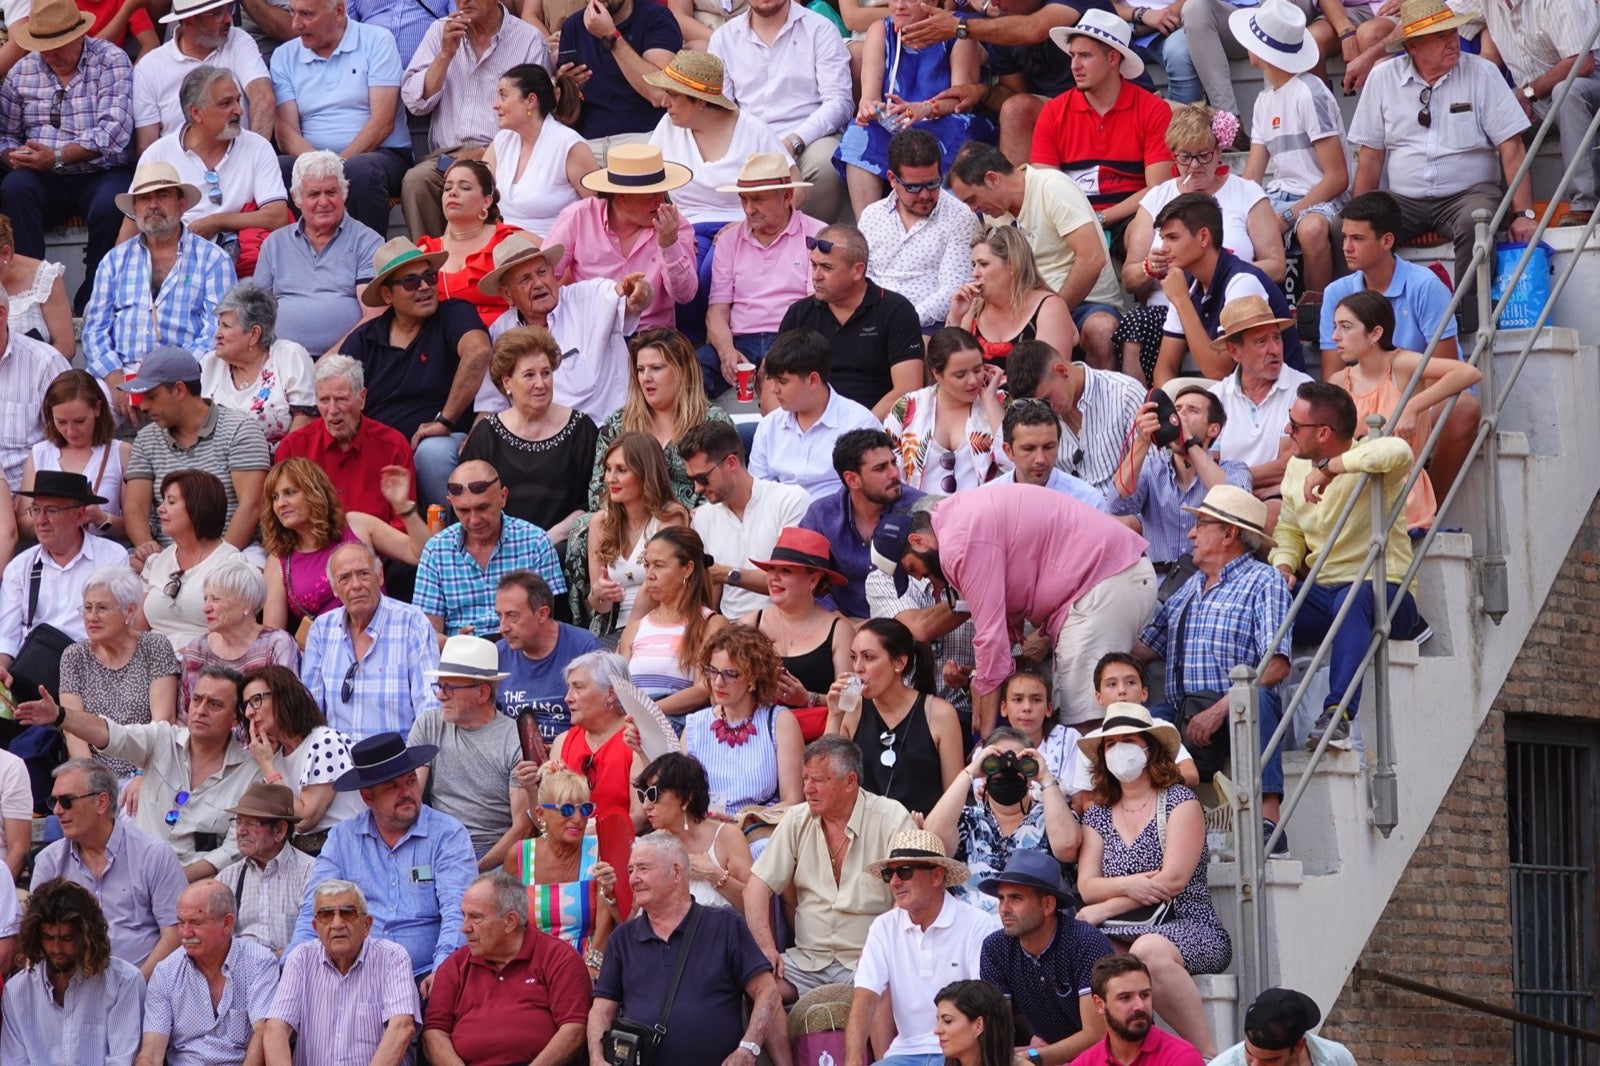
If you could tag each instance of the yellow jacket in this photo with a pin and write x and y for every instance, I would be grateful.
(1304, 527)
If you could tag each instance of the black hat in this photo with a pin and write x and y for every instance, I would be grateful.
(1280, 1018)
(62, 485)
(1030, 868)
(382, 757)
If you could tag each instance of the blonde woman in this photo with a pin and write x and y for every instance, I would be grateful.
(1007, 302)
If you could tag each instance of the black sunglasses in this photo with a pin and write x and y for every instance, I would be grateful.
(1425, 116)
(174, 585)
(66, 799)
(915, 187)
(56, 103)
(348, 688)
(817, 244)
(413, 282)
(456, 488)
(903, 872)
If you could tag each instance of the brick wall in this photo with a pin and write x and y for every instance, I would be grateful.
(1448, 923)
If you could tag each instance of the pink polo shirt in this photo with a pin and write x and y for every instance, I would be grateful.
(1022, 552)
(592, 251)
(760, 283)
(1158, 1049)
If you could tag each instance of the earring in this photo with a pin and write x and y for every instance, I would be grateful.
(530, 112)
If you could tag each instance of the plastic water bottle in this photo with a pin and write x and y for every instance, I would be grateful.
(850, 698)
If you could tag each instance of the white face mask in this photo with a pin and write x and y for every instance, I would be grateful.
(1126, 761)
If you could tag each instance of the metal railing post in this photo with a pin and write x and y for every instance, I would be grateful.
(1245, 736)
(1493, 581)
(1385, 786)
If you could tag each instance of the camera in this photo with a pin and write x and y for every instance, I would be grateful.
(1170, 428)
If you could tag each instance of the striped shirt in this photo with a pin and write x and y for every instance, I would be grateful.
(656, 663)
(123, 322)
(229, 440)
(27, 367)
(95, 112)
(447, 565)
(269, 896)
(178, 1005)
(340, 1017)
(138, 890)
(741, 775)
(1108, 405)
(388, 690)
(1158, 502)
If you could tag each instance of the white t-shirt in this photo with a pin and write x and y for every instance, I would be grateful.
(1236, 197)
(16, 791)
(248, 173)
(699, 200)
(735, 543)
(1053, 205)
(158, 76)
(1288, 122)
(285, 381)
(534, 198)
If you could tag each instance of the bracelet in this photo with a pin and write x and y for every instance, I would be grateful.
(273, 778)
(1347, 34)
(593, 958)
(1145, 266)
(408, 514)
(61, 716)
(609, 901)
(1138, 16)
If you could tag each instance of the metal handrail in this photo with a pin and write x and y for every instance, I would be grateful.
(1472, 1003)
(1254, 967)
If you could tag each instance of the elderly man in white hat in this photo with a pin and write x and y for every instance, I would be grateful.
(162, 289)
(478, 748)
(202, 33)
(66, 127)
(758, 268)
(1442, 132)
(925, 923)
(590, 320)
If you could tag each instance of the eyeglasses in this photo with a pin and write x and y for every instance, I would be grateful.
(215, 190)
(648, 795)
(1296, 427)
(348, 687)
(180, 800)
(817, 244)
(477, 488)
(724, 676)
(66, 799)
(413, 282)
(348, 913)
(947, 461)
(567, 810)
(52, 512)
(444, 689)
(1425, 116)
(915, 187)
(904, 872)
(255, 702)
(56, 103)
(1191, 159)
(174, 585)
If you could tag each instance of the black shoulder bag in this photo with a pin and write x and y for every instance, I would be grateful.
(38, 661)
(628, 1043)
(1209, 758)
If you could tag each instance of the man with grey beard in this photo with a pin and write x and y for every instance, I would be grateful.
(202, 33)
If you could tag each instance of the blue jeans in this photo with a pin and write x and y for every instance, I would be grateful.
(912, 1060)
(692, 315)
(1350, 643)
(436, 457)
(1270, 712)
(34, 200)
(753, 346)
(1172, 52)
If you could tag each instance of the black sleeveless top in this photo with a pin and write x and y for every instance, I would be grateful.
(813, 669)
(914, 778)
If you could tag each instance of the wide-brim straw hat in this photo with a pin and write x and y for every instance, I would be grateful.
(1246, 313)
(636, 169)
(921, 848)
(763, 172)
(1235, 506)
(824, 1009)
(1276, 34)
(53, 23)
(465, 655)
(803, 547)
(1126, 720)
(1108, 29)
(693, 73)
(152, 177)
(1419, 18)
(182, 10)
(393, 255)
(513, 252)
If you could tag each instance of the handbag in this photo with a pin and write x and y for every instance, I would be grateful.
(630, 1043)
(1152, 913)
(1208, 758)
(38, 661)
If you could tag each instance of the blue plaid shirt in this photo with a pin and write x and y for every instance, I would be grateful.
(123, 323)
(1231, 623)
(95, 112)
(1159, 503)
(446, 565)
(388, 690)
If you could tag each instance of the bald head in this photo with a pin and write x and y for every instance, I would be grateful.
(478, 497)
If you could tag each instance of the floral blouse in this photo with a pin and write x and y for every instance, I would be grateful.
(981, 846)
(927, 466)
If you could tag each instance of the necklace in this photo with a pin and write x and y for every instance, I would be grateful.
(732, 735)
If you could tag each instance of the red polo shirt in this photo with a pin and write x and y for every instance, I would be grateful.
(354, 471)
(1159, 1049)
(506, 1016)
(1105, 154)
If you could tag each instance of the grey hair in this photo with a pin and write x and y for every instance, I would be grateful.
(254, 307)
(317, 165)
(218, 896)
(338, 365)
(510, 897)
(100, 779)
(241, 580)
(122, 583)
(663, 843)
(841, 752)
(333, 886)
(1252, 541)
(352, 545)
(604, 668)
(198, 82)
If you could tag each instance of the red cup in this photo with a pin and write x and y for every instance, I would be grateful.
(746, 373)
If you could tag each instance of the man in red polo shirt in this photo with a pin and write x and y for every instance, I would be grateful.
(350, 447)
(1106, 133)
(513, 994)
(1120, 987)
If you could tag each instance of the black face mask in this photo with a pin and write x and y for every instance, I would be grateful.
(1006, 787)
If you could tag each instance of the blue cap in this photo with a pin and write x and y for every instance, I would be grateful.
(889, 547)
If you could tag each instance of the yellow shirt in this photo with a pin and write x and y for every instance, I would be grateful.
(1304, 527)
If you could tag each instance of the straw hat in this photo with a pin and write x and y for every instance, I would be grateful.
(763, 172)
(1235, 506)
(1126, 720)
(921, 848)
(637, 169)
(151, 177)
(182, 9)
(465, 655)
(1107, 28)
(52, 24)
(1419, 18)
(1276, 33)
(392, 255)
(513, 252)
(1246, 313)
(696, 74)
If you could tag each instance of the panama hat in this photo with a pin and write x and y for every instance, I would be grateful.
(1246, 313)
(919, 847)
(1126, 720)
(182, 9)
(53, 23)
(1276, 34)
(1419, 18)
(468, 656)
(382, 757)
(1106, 28)
(763, 172)
(1235, 506)
(636, 169)
(513, 252)
(153, 177)
(693, 73)
(390, 257)
(803, 547)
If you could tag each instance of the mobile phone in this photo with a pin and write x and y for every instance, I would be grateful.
(567, 55)
(446, 161)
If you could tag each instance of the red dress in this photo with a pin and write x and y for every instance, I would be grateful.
(463, 284)
(607, 770)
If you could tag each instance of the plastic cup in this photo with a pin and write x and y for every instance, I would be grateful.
(746, 374)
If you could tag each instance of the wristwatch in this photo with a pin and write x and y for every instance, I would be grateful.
(1322, 464)
(1528, 94)
(733, 578)
(961, 29)
(1034, 1057)
(750, 1046)
(1528, 213)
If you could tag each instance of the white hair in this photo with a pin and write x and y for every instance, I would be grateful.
(240, 580)
(336, 365)
(122, 583)
(318, 165)
(335, 887)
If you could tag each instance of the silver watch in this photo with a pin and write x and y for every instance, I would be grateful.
(750, 1046)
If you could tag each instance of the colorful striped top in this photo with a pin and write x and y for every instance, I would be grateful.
(566, 910)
